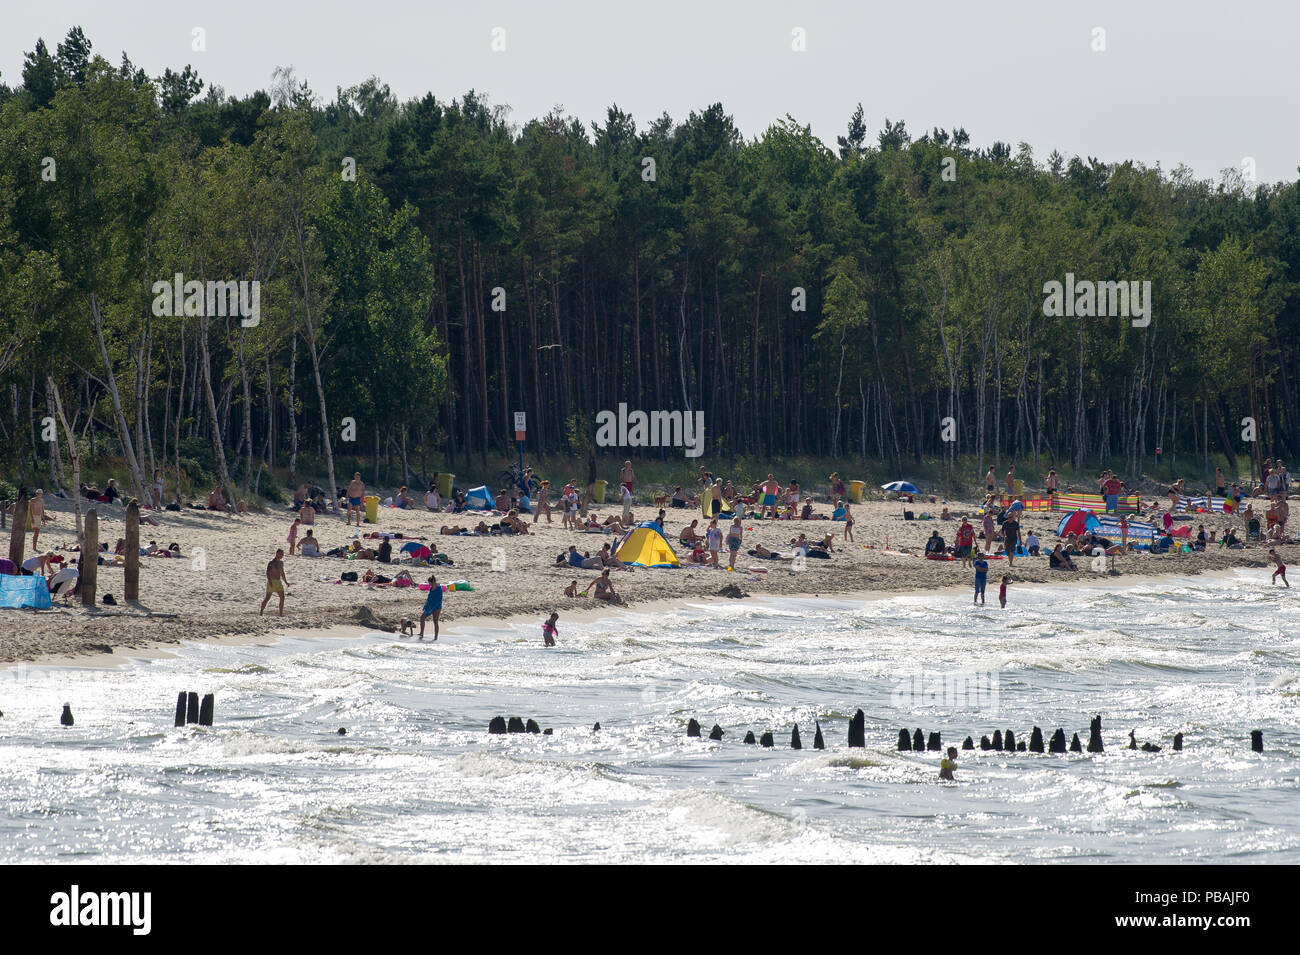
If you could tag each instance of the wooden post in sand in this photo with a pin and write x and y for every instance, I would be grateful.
(131, 583)
(90, 560)
(18, 537)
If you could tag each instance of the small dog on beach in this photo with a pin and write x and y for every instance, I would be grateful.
(662, 500)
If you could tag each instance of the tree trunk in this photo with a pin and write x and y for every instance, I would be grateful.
(119, 416)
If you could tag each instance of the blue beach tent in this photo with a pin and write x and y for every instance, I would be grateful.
(24, 592)
(479, 499)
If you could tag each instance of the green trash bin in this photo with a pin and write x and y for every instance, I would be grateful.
(598, 491)
(372, 509)
(855, 491)
(445, 481)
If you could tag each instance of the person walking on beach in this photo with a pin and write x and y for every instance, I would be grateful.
(735, 534)
(549, 633)
(432, 606)
(948, 765)
(981, 578)
(543, 504)
(276, 582)
(713, 541)
(1281, 568)
(1011, 535)
(356, 492)
(1002, 591)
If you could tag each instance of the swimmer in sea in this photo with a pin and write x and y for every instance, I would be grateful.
(549, 633)
(948, 764)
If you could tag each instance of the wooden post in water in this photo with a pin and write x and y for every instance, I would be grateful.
(131, 583)
(90, 560)
(18, 536)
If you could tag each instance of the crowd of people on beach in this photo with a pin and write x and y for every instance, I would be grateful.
(996, 530)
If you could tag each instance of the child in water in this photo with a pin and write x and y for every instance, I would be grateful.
(1002, 591)
(1281, 568)
(549, 633)
(948, 764)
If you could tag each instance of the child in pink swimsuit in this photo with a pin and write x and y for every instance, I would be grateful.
(549, 633)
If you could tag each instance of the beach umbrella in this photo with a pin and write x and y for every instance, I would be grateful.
(901, 487)
(410, 546)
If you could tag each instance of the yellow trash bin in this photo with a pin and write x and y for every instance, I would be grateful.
(445, 481)
(372, 509)
(598, 491)
(855, 491)
(1018, 488)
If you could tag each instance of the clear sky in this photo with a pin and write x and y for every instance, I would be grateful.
(1204, 84)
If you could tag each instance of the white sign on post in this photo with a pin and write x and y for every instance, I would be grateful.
(521, 425)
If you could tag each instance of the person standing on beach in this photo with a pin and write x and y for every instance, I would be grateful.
(713, 541)
(292, 539)
(735, 534)
(1002, 591)
(1123, 533)
(770, 489)
(989, 531)
(1281, 568)
(356, 492)
(965, 541)
(1110, 489)
(990, 481)
(1050, 483)
(627, 476)
(627, 504)
(276, 582)
(1011, 481)
(36, 515)
(848, 520)
(432, 606)
(549, 633)
(157, 488)
(981, 578)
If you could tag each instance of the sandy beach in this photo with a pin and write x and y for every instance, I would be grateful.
(218, 595)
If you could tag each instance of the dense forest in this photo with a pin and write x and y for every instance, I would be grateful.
(426, 268)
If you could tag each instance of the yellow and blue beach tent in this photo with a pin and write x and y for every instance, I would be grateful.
(646, 546)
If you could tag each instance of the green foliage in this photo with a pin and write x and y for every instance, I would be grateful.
(472, 267)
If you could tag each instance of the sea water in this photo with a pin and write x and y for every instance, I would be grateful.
(418, 778)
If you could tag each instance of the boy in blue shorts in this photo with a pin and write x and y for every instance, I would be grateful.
(432, 606)
(981, 577)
